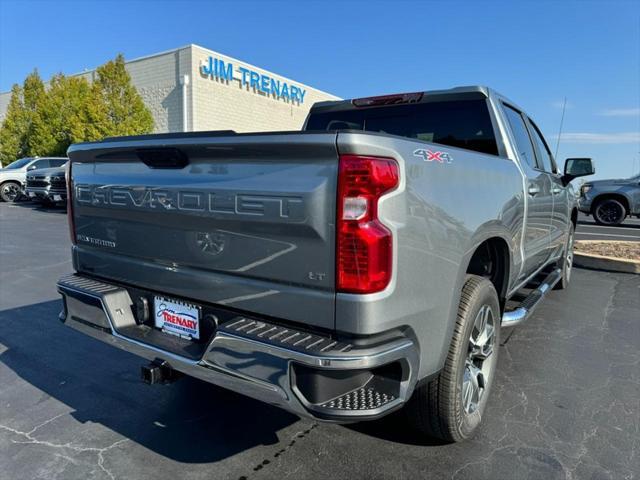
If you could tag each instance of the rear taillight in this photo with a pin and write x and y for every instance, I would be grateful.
(72, 225)
(364, 245)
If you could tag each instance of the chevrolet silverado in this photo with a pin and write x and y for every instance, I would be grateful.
(362, 265)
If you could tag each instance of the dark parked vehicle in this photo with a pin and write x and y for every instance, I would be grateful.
(47, 186)
(360, 266)
(611, 201)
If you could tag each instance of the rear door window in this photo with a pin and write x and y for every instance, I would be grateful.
(543, 150)
(461, 123)
(521, 136)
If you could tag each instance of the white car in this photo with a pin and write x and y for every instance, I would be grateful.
(13, 177)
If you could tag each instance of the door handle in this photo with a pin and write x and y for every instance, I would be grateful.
(534, 190)
(556, 190)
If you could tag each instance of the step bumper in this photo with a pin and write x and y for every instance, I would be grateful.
(305, 373)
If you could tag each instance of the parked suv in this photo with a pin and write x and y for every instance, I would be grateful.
(611, 201)
(13, 176)
(47, 186)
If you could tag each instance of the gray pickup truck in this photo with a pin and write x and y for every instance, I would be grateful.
(362, 265)
(611, 201)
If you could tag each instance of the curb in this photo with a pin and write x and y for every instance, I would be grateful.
(601, 262)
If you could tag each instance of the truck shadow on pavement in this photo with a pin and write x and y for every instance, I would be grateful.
(189, 421)
(395, 428)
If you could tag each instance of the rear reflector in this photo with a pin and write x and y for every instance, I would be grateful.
(397, 99)
(364, 244)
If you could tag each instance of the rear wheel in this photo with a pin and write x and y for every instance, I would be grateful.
(9, 191)
(609, 212)
(451, 406)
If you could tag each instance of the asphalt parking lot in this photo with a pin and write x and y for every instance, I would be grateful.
(566, 404)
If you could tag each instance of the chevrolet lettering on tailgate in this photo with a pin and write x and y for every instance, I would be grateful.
(168, 199)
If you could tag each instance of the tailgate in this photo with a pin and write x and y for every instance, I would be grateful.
(248, 222)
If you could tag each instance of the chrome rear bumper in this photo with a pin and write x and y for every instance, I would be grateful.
(304, 373)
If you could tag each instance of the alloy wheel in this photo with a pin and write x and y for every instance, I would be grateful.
(609, 212)
(478, 367)
(9, 192)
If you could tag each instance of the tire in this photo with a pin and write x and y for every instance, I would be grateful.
(567, 260)
(443, 407)
(9, 191)
(609, 212)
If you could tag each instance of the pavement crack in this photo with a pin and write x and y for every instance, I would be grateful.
(37, 427)
(608, 309)
(31, 440)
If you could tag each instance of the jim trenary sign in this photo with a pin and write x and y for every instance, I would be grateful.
(216, 68)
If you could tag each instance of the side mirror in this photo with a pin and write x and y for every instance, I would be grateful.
(577, 167)
(31, 167)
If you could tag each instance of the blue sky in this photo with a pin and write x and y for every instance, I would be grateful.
(536, 53)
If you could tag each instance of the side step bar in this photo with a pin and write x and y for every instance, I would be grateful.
(528, 305)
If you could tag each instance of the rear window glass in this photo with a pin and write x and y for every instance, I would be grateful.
(460, 123)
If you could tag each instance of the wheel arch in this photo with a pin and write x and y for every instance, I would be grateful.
(11, 180)
(621, 197)
(500, 240)
(492, 259)
(574, 217)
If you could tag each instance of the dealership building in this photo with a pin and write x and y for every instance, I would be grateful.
(193, 88)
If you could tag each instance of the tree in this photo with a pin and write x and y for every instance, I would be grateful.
(17, 128)
(64, 117)
(119, 109)
(45, 122)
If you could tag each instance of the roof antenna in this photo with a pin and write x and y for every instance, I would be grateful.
(564, 106)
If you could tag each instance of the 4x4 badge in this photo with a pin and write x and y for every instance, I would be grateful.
(433, 156)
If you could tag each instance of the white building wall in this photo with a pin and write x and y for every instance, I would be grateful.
(227, 105)
(5, 97)
(212, 104)
(157, 79)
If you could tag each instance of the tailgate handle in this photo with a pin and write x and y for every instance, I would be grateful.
(163, 157)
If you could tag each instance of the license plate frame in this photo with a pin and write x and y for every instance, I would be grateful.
(176, 317)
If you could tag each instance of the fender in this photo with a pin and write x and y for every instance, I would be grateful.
(490, 229)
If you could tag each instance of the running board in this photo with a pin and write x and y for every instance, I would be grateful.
(528, 305)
